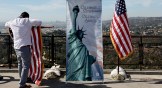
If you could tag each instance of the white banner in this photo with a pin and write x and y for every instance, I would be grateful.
(84, 40)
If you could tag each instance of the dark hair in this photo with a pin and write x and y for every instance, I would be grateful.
(24, 15)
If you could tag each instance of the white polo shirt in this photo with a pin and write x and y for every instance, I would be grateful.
(21, 28)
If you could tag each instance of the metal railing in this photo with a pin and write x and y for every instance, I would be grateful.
(147, 52)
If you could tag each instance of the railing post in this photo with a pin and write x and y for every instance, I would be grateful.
(140, 53)
(10, 52)
(55, 44)
(52, 48)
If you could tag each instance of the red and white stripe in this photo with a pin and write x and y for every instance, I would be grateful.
(120, 35)
(36, 68)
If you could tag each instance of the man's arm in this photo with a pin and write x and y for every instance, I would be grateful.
(35, 22)
(7, 26)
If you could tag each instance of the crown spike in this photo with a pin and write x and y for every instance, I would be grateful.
(82, 28)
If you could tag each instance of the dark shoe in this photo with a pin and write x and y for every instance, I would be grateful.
(26, 86)
(1, 77)
(29, 80)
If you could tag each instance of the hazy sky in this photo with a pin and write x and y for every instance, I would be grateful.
(52, 10)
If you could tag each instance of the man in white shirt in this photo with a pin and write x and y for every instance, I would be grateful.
(21, 29)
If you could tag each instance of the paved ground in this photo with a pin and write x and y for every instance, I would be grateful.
(10, 80)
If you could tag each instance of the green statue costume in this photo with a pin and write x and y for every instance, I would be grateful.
(79, 60)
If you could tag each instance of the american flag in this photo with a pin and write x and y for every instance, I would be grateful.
(119, 31)
(36, 68)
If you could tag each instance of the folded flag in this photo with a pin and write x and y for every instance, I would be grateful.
(36, 68)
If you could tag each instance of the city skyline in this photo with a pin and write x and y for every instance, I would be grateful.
(55, 10)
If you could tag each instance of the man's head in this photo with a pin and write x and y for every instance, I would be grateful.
(24, 15)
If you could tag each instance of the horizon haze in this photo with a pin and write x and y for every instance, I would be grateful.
(55, 10)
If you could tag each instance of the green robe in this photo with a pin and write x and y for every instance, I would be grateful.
(79, 60)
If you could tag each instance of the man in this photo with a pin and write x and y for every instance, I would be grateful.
(21, 29)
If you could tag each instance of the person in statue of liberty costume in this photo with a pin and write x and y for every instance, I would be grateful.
(79, 60)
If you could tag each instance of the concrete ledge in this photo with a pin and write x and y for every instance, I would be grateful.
(137, 71)
(106, 71)
(6, 70)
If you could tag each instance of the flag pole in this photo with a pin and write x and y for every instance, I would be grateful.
(118, 75)
(118, 64)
